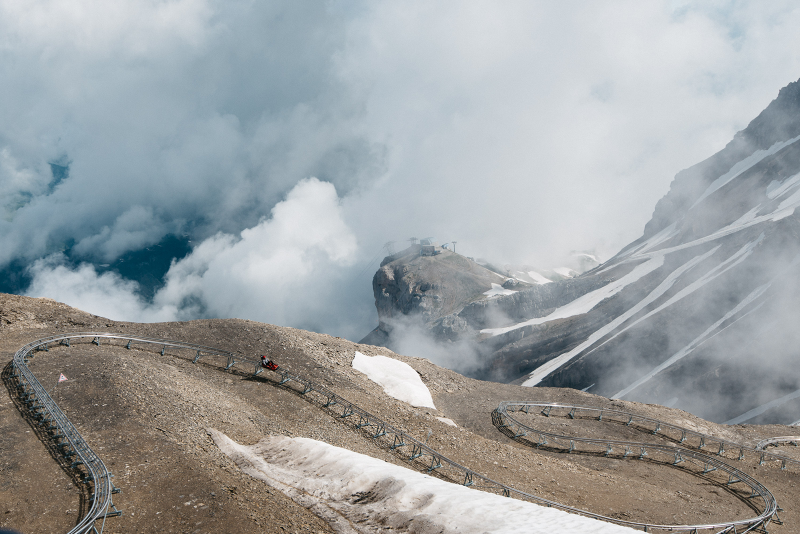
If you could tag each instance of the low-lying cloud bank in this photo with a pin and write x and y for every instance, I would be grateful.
(287, 269)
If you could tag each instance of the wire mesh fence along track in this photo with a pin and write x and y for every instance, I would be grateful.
(670, 431)
(671, 453)
(68, 440)
(377, 429)
(791, 440)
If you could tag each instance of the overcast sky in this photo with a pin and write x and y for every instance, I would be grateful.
(291, 140)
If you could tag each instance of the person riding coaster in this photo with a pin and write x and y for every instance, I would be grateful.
(268, 364)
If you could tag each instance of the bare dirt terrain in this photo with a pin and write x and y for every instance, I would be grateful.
(146, 415)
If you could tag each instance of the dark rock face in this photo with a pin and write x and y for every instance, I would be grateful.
(778, 122)
(531, 302)
(430, 286)
(427, 291)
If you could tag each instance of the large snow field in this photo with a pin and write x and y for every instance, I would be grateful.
(356, 493)
(588, 301)
(398, 379)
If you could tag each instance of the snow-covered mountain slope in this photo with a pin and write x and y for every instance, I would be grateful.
(702, 311)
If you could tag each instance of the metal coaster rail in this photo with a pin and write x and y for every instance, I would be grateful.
(661, 427)
(667, 453)
(763, 444)
(98, 478)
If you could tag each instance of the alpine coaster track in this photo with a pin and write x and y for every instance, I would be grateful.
(684, 449)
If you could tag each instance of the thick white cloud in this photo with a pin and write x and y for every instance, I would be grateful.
(526, 129)
(523, 130)
(292, 268)
(204, 113)
(278, 271)
(107, 294)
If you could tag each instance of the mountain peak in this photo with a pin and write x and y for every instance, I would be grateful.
(779, 122)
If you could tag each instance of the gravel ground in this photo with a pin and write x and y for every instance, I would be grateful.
(147, 416)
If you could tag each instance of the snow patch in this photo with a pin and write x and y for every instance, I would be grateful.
(588, 301)
(743, 166)
(667, 233)
(776, 189)
(398, 379)
(566, 272)
(370, 495)
(763, 408)
(497, 290)
(747, 218)
(695, 343)
(790, 203)
(447, 421)
(538, 278)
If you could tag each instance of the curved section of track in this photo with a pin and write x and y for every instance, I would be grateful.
(793, 440)
(70, 443)
(98, 478)
(673, 452)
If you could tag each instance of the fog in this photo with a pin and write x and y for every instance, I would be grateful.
(286, 142)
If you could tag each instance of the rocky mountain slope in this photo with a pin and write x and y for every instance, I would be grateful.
(150, 417)
(699, 313)
(450, 297)
(429, 290)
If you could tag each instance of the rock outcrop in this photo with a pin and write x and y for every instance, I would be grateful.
(427, 291)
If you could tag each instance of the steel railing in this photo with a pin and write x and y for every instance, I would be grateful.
(393, 438)
(763, 444)
(66, 437)
(686, 435)
(668, 453)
